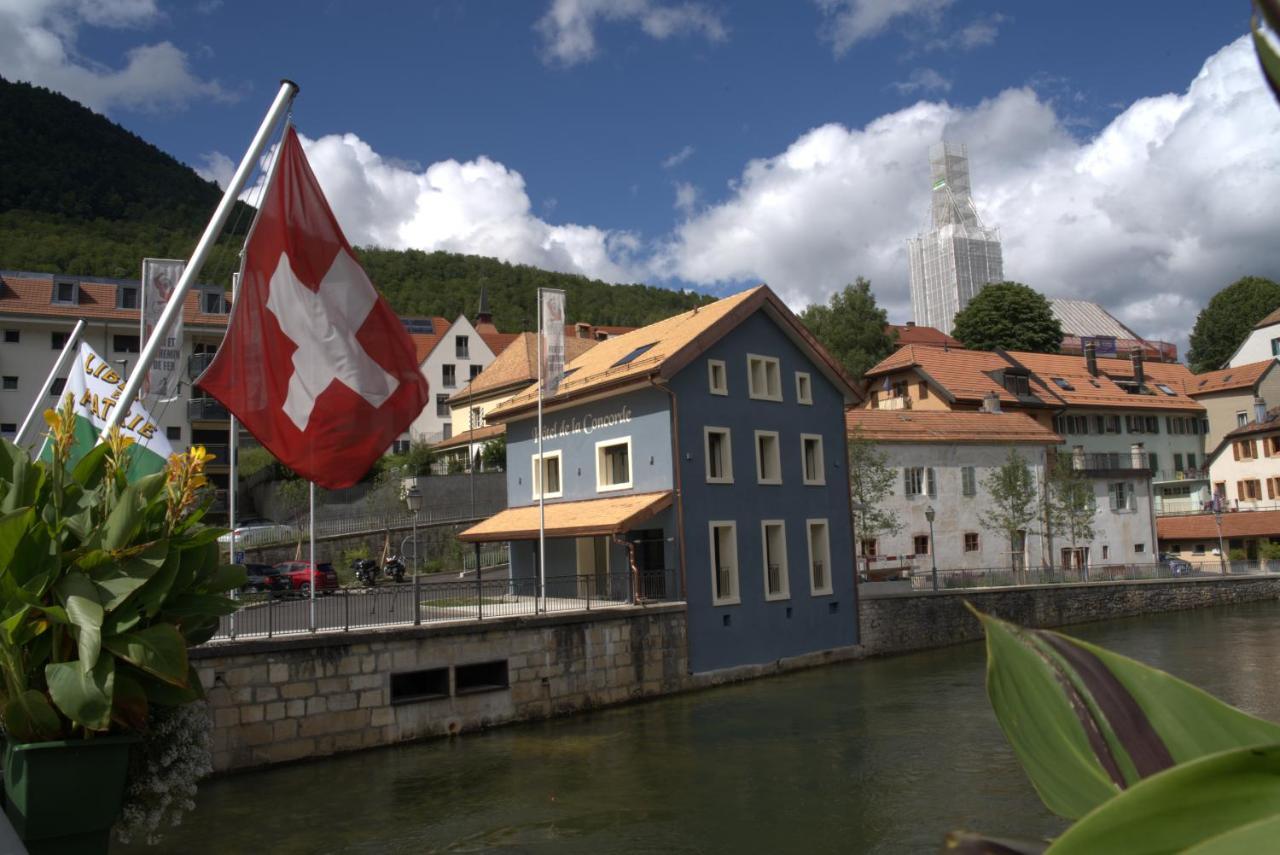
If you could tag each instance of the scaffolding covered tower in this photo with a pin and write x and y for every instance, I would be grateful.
(951, 262)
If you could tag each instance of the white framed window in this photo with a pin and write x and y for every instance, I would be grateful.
(548, 472)
(811, 465)
(768, 458)
(1121, 494)
(919, 481)
(804, 388)
(773, 541)
(448, 375)
(724, 562)
(718, 448)
(717, 377)
(819, 557)
(968, 481)
(613, 464)
(764, 378)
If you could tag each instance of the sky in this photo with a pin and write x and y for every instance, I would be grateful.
(1129, 153)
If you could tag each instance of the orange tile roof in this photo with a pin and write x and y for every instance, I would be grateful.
(571, 519)
(494, 340)
(1227, 379)
(1273, 318)
(466, 437)
(424, 343)
(1234, 524)
(962, 373)
(515, 367)
(662, 349)
(32, 296)
(946, 426)
(1103, 390)
(913, 334)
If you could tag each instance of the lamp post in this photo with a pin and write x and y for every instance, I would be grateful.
(855, 508)
(1222, 550)
(929, 514)
(413, 498)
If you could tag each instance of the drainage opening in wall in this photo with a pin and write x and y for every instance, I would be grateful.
(411, 686)
(480, 677)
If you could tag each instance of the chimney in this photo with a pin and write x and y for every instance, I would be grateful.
(1259, 410)
(1091, 358)
(1139, 376)
(991, 403)
(910, 324)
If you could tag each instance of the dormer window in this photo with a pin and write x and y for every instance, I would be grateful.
(66, 292)
(213, 303)
(126, 296)
(1017, 384)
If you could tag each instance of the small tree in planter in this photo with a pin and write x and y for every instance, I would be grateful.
(103, 586)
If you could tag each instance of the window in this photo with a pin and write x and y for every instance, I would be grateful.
(9, 383)
(1191, 461)
(173, 432)
(462, 346)
(773, 536)
(1153, 462)
(919, 481)
(1139, 548)
(124, 343)
(764, 378)
(8, 429)
(870, 547)
(56, 387)
(1177, 462)
(475, 418)
(970, 541)
(1112, 424)
(819, 558)
(1242, 419)
(446, 430)
(719, 455)
(635, 354)
(922, 390)
(475, 371)
(920, 544)
(804, 389)
(1244, 449)
(717, 379)
(58, 340)
(768, 460)
(724, 563)
(65, 292)
(1275, 347)
(613, 464)
(968, 481)
(811, 459)
(1198, 549)
(1122, 496)
(449, 375)
(549, 472)
(126, 296)
(1062, 384)
(213, 303)
(442, 406)
(1163, 388)
(401, 446)
(1017, 384)
(1249, 490)
(1106, 552)
(11, 336)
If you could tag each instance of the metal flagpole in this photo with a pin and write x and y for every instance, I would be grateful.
(233, 450)
(59, 365)
(542, 476)
(281, 104)
(312, 528)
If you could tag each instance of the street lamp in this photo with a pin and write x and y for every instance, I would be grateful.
(413, 498)
(855, 508)
(929, 514)
(1222, 550)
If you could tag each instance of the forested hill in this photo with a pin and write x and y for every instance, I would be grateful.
(79, 194)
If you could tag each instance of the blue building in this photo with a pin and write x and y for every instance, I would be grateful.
(699, 458)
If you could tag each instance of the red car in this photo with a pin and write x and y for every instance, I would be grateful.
(300, 576)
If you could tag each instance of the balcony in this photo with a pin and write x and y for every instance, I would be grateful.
(197, 363)
(896, 403)
(1119, 463)
(1180, 475)
(206, 410)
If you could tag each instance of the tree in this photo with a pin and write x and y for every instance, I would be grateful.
(493, 454)
(1225, 323)
(871, 481)
(1072, 506)
(1011, 505)
(851, 327)
(1008, 315)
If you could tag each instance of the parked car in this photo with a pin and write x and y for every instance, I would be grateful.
(264, 577)
(301, 575)
(1175, 565)
(257, 532)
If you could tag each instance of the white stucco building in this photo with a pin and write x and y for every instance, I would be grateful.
(1262, 343)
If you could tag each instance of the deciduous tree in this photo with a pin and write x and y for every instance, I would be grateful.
(1011, 504)
(1226, 321)
(871, 481)
(1008, 315)
(852, 327)
(1072, 506)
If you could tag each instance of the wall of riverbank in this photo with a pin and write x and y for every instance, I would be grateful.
(310, 696)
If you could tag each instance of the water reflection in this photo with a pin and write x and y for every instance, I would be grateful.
(878, 756)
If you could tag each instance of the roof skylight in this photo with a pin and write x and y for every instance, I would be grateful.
(630, 357)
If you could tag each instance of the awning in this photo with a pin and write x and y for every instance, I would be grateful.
(571, 519)
(466, 437)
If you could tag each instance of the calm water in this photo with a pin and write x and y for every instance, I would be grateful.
(878, 756)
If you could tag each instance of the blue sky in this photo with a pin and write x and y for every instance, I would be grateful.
(712, 144)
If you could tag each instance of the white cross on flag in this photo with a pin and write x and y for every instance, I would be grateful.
(315, 364)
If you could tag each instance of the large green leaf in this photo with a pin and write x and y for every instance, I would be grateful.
(199, 606)
(85, 697)
(227, 577)
(129, 706)
(118, 530)
(119, 579)
(159, 650)
(169, 695)
(29, 718)
(1087, 723)
(1221, 803)
(79, 596)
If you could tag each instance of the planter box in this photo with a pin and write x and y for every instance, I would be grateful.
(64, 796)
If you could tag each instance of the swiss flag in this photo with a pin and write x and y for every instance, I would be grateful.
(315, 364)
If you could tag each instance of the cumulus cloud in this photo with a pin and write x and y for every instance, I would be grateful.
(39, 41)
(686, 197)
(980, 32)
(922, 80)
(678, 158)
(1168, 203)
(847, 22)
(216, 167)
(568, 26)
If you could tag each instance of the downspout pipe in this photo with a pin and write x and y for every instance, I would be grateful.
(676, 464)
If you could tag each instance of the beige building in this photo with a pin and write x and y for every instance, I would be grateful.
(1245, 467)
(1228, 396)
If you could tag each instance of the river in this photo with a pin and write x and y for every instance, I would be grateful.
(878, 756)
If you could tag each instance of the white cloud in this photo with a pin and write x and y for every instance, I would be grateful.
(678, 158)
(847, 22)
(981, 32)
(1170, 202)
(922, 80)
(686, 197)
(568, 26)
(217, 167)
(39, 41)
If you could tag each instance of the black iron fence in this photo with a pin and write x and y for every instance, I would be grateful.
(268, 615)
(922, 579)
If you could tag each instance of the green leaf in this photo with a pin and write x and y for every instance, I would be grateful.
(89, 470)
(1216, 804)
(119, 580)
(129, 706)
(29, 718)
(227, 577)
(159, 650)
(169, 695)
(80, 598)
(199, 606)
(85, 697)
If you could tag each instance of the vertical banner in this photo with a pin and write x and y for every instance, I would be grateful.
(159, 276)
(552, 338)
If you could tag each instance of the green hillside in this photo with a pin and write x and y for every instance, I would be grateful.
(79, 194)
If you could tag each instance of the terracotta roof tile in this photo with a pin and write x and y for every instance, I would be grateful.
(965, 374)
(466, 437)
(570, 519)
(32, 296)
(515, 367)
(1227, 379)
(946, 426)
(931, 336)
(494, 340)
(1273, 318)
(1204, 527)
(424, 343)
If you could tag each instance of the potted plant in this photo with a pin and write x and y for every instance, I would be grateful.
(104, 583)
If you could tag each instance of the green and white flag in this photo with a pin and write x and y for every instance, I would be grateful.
(95, 388)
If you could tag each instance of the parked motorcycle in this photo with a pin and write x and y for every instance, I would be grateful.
(394, 568)
(366, 571)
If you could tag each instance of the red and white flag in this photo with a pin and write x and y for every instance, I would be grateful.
(315, 363)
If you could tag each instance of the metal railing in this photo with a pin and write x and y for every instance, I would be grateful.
(269, 615)
(921, 579)
(197, 363)
(491, 555)
(206, 409)
(1115, 461)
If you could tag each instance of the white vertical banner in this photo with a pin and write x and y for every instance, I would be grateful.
(552, 338)
(159, 277)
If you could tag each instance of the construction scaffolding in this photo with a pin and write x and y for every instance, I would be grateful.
(950, 263)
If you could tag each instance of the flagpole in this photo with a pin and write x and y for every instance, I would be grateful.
(542, 477)
(280, 106)
(314, 572)
(233, 450)
(59, 365)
